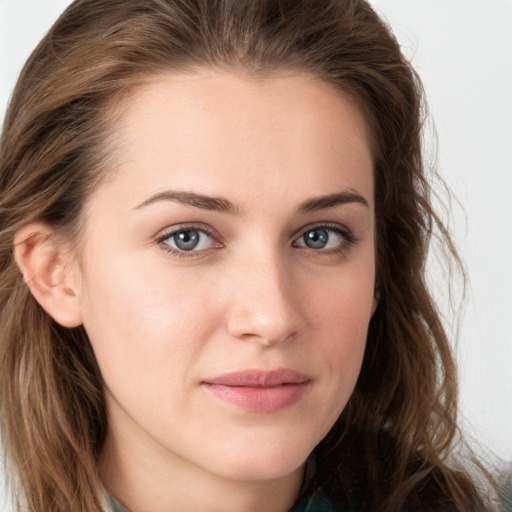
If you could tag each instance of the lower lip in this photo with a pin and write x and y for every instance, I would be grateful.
(259, 399)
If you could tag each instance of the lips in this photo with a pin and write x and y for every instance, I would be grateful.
(259, 391)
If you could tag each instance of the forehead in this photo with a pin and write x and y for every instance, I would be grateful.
(223, 132)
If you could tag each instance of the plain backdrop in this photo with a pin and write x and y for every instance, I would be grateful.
(462, 50)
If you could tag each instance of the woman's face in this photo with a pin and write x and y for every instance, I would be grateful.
(227, 276)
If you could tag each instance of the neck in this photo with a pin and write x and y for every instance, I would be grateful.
(143, 478)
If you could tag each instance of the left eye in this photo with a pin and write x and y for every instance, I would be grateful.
(188, 240)
(321, 238)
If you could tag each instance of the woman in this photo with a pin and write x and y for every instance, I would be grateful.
(214, 228)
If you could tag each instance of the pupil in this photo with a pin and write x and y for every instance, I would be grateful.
(316, 238)
(186, 240)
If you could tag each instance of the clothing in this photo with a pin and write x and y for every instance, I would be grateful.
(317, 503)
(111, 505)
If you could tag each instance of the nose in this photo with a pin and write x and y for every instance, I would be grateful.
(265, 305)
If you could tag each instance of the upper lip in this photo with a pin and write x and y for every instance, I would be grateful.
(259, 378)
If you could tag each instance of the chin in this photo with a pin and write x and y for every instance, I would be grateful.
(262, 463)
(265, 452)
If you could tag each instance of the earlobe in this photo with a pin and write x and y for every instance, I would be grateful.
(49, 273)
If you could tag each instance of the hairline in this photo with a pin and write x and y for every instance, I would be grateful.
(117, 103)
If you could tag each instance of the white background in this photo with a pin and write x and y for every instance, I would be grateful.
(463, 52)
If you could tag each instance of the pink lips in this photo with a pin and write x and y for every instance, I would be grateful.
(259, 391)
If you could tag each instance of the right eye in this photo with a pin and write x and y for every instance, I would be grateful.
(184, 240)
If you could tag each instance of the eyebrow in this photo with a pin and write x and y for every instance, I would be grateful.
(220, 204)
(331, 201)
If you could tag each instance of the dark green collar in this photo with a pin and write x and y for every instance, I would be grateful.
(317, 503)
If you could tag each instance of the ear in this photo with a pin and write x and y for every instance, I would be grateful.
(50, 272)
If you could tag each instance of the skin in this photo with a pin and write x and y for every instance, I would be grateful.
(251, 295)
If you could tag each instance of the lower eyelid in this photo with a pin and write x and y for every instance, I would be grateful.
(163, 241)
(346, 236)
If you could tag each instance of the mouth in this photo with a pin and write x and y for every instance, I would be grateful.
(259, 391)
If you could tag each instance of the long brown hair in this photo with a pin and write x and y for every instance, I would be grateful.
(389, 449)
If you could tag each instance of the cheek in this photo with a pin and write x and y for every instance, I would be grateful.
(343, 305)
(341, 316)
(143, 322)
(345, 327)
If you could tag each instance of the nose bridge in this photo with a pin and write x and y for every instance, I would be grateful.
(264, 306)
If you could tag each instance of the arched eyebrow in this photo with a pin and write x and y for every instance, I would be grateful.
(221, 204)
(331, 201)
(218, 204)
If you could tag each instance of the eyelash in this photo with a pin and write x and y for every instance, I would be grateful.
(183, 228)
(348, 236)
